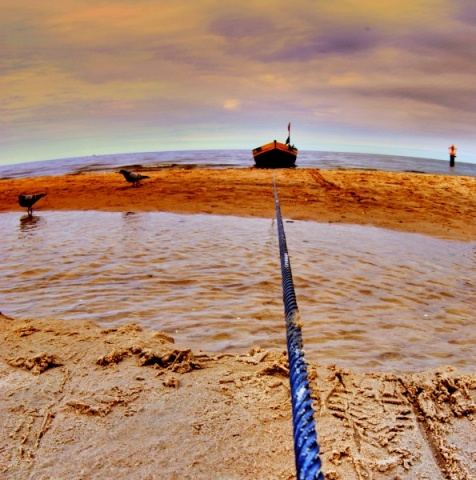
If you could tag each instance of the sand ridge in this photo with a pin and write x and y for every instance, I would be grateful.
(436, 205)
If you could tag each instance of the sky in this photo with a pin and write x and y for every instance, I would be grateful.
(90, 77)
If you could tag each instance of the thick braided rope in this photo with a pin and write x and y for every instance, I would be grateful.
(306, 448)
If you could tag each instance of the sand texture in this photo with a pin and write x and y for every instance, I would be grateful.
(81, 402)
(436, 205)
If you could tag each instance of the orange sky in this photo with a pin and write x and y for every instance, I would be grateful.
(95, 77)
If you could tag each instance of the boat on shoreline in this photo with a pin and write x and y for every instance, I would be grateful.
(276, 154)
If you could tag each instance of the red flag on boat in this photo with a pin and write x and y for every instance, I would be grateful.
(288, 140)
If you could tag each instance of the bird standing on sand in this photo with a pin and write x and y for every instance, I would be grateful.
(133, 177)
(28, 201)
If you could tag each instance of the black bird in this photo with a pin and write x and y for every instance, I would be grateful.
(28, 201)
(133, 177)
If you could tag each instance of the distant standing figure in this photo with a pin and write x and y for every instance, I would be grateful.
(133, 177)
(28, 201)
(452, 150)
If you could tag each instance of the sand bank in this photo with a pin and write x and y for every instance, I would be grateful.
(77, 401)
(81, 402)
(436, 205)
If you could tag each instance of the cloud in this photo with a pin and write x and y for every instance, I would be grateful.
(239, 25)
(466, 12)
(343, 65)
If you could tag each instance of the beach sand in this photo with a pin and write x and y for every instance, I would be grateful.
(81, 402)
(436, 205)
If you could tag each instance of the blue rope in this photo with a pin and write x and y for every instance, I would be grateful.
(306, 448)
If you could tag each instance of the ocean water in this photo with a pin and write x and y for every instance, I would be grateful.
(369, 299)
(231, 159)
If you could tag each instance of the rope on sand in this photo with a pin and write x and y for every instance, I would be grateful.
(306, 448)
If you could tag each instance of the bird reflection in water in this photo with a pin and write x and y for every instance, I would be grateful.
(133, 221)
(134, 228)
(132, 218)
(29, 223)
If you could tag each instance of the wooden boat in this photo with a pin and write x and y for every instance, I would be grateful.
(276, 154)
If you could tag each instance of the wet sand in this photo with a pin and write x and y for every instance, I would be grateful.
(436, 205)
(128, 403)
(78, 401)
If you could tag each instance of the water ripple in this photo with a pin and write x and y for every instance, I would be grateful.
(369, 298)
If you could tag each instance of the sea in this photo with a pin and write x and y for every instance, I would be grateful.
(369, 299)
(231, 159)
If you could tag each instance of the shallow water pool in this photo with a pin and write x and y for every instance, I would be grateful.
(369, 298)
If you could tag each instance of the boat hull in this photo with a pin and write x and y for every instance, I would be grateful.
(275, 155)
